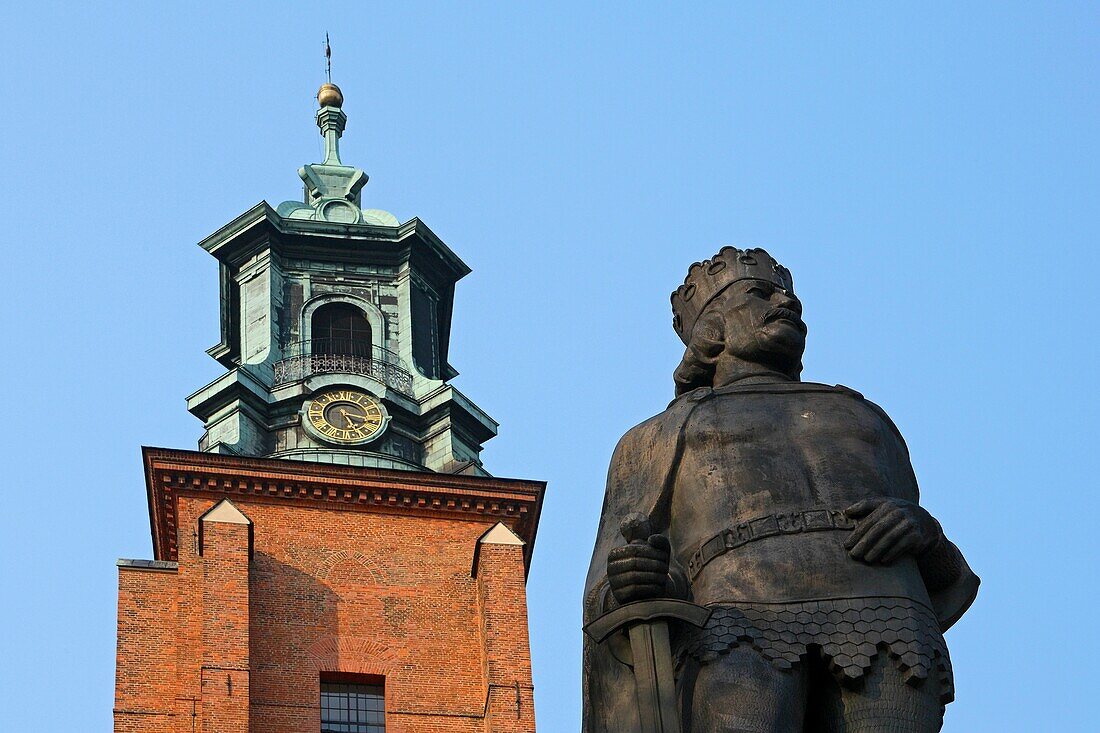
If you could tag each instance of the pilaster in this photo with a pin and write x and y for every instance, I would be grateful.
(225, 540)
(498, 565)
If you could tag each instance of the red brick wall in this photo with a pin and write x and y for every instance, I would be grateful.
(329, 589)
(146, 654)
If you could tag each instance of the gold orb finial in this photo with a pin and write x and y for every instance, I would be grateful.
(329, 95)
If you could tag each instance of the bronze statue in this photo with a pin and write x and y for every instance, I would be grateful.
(777, 551)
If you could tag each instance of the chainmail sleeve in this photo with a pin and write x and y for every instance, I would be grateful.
(941, 565)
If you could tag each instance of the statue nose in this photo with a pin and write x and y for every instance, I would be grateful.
(791, 302)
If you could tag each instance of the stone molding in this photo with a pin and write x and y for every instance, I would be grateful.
(168, 473)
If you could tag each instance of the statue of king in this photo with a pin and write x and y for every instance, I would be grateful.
(790, 512)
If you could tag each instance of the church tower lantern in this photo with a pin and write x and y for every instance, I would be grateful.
(335, 326)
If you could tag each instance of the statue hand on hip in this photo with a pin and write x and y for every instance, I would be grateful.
(887, 529)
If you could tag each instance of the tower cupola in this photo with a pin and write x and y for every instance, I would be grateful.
(335, 327)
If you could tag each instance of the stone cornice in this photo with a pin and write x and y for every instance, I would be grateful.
(263, 214)
(169, 473)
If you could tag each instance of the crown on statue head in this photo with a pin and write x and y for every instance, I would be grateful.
(706, 279)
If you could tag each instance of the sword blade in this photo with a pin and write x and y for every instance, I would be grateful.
(653, 677)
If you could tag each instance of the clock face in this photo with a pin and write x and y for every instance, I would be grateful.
(346, 416)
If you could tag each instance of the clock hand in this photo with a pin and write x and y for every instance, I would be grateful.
(344, 414)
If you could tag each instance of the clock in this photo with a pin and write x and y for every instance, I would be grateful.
(345, 416)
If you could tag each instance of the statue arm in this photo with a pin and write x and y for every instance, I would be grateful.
(609, 702)
(952, 586)
(638, 480)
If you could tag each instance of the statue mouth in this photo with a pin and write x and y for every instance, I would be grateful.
(788, 315)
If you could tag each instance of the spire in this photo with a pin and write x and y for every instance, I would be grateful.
(332, 189)
(331, 179)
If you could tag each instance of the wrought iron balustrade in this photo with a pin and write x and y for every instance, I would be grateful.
(344, 356)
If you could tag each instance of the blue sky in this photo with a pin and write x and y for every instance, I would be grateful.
(928, 171)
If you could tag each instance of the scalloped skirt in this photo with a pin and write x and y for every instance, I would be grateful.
(849, 633)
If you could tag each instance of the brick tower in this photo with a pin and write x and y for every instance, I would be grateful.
(335, 557)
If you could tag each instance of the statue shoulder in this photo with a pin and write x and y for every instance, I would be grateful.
(875, 408)
(664, 428)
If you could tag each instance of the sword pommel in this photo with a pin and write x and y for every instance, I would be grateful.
(635, 527)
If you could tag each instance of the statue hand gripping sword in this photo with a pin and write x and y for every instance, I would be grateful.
(645, 618)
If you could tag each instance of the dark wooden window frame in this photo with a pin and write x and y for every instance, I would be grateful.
(352, 703)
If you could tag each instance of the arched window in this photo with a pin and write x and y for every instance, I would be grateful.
(339, 328)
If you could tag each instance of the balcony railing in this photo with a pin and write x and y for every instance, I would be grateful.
(342, 356)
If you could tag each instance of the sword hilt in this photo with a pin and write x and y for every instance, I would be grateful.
(651, 657)
(654, 609)
(636, 528)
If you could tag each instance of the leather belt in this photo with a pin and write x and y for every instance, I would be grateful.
(769, 525)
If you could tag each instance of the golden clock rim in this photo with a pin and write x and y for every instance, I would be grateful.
(336, 395)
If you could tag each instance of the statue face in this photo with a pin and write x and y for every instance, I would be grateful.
(764, 324)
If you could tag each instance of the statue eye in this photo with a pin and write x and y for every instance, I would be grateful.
(762, 291)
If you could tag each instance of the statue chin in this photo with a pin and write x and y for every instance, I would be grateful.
(782, 338)
(774, 354)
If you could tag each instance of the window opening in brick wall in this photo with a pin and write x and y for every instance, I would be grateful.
(352, 708)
